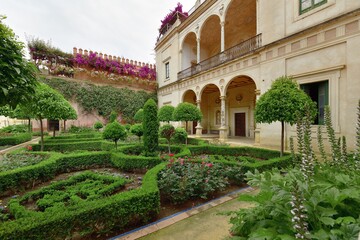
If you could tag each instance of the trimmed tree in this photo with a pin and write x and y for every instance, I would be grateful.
(47, 103)
(69, 115)
(114, 132)
(17, 76)
(283, 102)
(180, 135)
(98, 125)
(165, 113)
(167, 131)
(138, 130)
(187, 112)
(139, 116)
(151, 128)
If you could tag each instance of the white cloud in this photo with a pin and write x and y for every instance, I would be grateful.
(125, 28)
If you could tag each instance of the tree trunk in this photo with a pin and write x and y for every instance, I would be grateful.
(186, 126)
(282, 139)
(64, 125)
(116, 145)
(29, 125)
(42, 135)
(169, 146)
(54, 129)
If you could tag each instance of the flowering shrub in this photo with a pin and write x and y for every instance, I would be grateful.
(112, 66)
(184, 179)
(171, 17)
(29, 148)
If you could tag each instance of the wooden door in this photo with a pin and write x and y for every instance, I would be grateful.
(240, 124)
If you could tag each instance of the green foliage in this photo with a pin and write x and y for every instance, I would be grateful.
(165, 113)
(17, 76)
(98, 125)
(180, 135)
(17, 160)
(114, 132)
(151, 128)
(102, 99)
(76, 129)
(183, 179)
(139, 116)
(138, 130)
(187, 112)
(117, 211)
(113, 116)
(86, 186)
(167, 131)
(20, 128)
(283, 102)
(70, 146)
(15, 139)
(129, 163)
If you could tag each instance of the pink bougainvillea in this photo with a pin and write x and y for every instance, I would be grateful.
(112, 66)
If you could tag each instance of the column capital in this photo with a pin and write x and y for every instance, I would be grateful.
(222, 23)
(223, 98)
(198, 101)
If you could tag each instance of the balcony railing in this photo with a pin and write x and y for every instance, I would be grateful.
(229, 54)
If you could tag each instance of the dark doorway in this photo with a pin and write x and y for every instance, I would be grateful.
(240, 124)
(53, 124)
(194, 127)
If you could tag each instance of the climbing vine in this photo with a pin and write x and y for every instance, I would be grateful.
(103, 99)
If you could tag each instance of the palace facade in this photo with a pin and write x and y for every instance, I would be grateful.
(226, 53)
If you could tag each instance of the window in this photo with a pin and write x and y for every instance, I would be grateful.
(307, 5)
(319, 93)
(167, 70)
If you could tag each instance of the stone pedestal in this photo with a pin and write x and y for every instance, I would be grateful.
(198, 131)
(257, 136)
(223, 133)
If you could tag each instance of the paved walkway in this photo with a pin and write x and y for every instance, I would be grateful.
(175, 218)
(6, 150)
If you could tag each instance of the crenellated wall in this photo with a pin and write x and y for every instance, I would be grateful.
(123, 60)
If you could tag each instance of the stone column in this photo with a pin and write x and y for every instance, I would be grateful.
(223, 128)
(257, 128)
(222, 36)
(198, 127)
(198, 50)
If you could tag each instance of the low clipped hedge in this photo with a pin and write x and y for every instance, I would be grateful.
(191, 141)
(94, 145)
(15, 139)
(116, 211)
(235, 151)
(57, 163)
(71, 140)
(77, 136)
(270, 158)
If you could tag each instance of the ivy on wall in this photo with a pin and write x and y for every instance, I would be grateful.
(103, 99)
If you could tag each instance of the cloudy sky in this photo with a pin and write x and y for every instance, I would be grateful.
(124, 28)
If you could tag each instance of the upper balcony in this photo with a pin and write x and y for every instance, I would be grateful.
(246, 47)
(221, 36)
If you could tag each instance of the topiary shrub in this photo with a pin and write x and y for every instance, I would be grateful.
(166, 113)
(180, 135)
(167, 131)
(113, 116)
(138, 130)
(98, 125)
(114, 132)
(139, 116)
(151, 128)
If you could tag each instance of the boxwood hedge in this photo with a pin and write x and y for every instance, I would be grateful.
(15, 139)
(116, 211)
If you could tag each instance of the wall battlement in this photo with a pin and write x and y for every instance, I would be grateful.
(122, 60)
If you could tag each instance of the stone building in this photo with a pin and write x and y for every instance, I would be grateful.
(226, 53)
